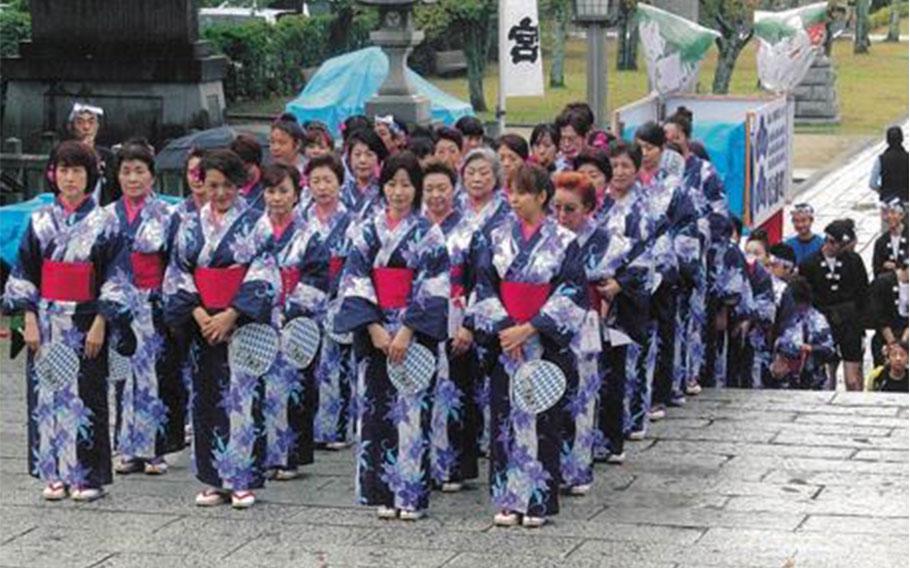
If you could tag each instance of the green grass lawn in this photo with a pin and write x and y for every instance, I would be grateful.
(872, 89)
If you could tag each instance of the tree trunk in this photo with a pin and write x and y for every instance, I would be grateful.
(861, 30)
(560, 30)
(728, 51)
(894, 25)
(627, 44)
(475, 50)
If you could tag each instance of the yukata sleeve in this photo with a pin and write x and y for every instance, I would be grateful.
(359, 304)
(309, 297)
(112, 265)
(635, 264)
(731, 284)
(820, 337)
(21, 292)
(428, 311)
(685, 235)
(561, 317)
(763, 306)
(485, 316)
(713, 189)
(180, 294)
(258, 292)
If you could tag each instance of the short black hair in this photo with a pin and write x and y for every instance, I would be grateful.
(137, 149)
(800, 290)
(531, 178)
(545, 129)
(72, 153)
(226, 162)
(630, 149)
(579, 122)
(470, 126)
(274, 174)
(515, 143)
(652, 133)
(194, 152)
(597, 158)
(583, 111)
(683, 119)
(248, 148)
(330, 161)
(440, 167)
(353, 123)
(370, 139)
(422, 146)
(408, 162)
(451, 134)
(288, 124)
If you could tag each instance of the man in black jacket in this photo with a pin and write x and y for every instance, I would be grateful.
(890, 177)
(888, 300)
(839, 287)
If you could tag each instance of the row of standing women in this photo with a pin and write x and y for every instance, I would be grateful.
(609, 276)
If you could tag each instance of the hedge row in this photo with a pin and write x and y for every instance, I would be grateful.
(268, 60)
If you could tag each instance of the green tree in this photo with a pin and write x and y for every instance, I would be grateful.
(894, 22)
(559, 12)
(861, 31)
(733, 19)
(627, 32)
(475, 22)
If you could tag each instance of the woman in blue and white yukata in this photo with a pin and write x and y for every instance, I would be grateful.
(361, 192)
(626, 268)
(530, 304)
(805, 344)
(71, 279)
(150, 396)
(395, 291)
(223, 275)
(303, 260)
(333, 425)
(455, 419)
(676, 252)
(707, 193)
(485, 207)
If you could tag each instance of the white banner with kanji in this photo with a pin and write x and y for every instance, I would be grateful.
(520, 53)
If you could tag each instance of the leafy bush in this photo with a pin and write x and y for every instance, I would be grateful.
(882, 16)
(15, 26)
(269, 60)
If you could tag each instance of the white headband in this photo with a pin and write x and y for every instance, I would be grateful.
(79, 108)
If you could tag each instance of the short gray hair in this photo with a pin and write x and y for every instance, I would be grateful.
(488, 156)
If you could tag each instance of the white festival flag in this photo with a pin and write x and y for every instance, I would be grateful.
(520, 53)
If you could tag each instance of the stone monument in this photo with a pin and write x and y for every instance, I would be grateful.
(816, 95)
(140, 60)
(397, 37)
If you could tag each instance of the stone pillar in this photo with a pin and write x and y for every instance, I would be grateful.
(397, 37)
(816, 95)
(140, 60)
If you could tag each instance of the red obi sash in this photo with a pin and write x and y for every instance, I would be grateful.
(336, 265)
(218, 286)
(594, 297)
(523, 301)
(393, 286)
(148, 270)
(290, 277)
(67, 281)
(456, 273)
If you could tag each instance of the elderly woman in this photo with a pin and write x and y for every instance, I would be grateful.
(395, 292)
(150, 396)
(222, 276)
(71, 279)
(529, 305)
(484, 207)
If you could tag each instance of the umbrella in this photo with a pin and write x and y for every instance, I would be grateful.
(172, 156)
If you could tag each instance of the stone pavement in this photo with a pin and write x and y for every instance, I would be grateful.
(735, 479)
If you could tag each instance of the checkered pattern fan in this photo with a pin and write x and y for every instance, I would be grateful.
(537, 386)
(300, 341)
(253, 349)
(415, 373)
(56, 365)
(119, 367)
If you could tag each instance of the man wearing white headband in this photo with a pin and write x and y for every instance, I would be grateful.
(805, 243)
(83, 123)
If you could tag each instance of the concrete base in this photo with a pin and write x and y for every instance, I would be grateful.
(410, 109)
(816, 95)
(156, 111)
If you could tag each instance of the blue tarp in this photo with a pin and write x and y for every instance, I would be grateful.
(14, 221)
(343, 84)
